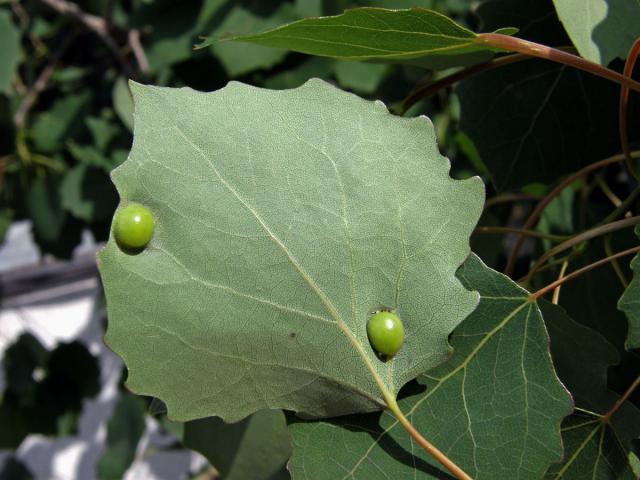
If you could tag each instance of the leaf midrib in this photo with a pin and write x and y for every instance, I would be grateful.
(305, 276)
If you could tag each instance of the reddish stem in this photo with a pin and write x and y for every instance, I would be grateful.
(622, 111)
(513, 44)
(537, 211)
(534, 296)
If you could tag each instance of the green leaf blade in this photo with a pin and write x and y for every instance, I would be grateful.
(495, 407)
(283, 220)
(371, 34)
(601, 30)
(630, 304)
(10, 51)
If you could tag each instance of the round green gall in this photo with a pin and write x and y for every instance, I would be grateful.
(133, 227)
(386, 333)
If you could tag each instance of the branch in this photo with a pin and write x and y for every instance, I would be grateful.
(138, 51)
(40, 84)
(426, 91)
(509, 197)
(513, 44)
(534, 296)
(607, 416)
(535, 214)
(622, 110)
(582, 237)
(97, 25)
(528, 233)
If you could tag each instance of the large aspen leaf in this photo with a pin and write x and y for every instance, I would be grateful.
(283, 220)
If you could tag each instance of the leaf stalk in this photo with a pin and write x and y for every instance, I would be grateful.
(428, 447)
(513, 44)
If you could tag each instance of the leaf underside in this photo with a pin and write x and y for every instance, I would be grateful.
(283, 219)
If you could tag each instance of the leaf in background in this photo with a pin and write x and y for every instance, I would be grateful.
(241, 58)
(375, 34)
(123, 102)
(54, 126)
(601, 30)
(10, 50)
(494, 407)
(45, 390)
(361, 77)
(313, 67)
(283, 219)
(587, 301)
(630, 303)
(256, 448)
(170, 31)
(533, 121)
(89, 155)
(87, 194)
(6, 217)
(44, 206)
(124, 430)
(103, 131)
(593, 448)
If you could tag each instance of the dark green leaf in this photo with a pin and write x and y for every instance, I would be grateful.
(46, 390)
(495, 407)
(593, 448)
(6, 217)
(240, 58)
(601, 30)
(10, 50)
(123, 434)
(103, 131)
(375, 34)
(630, 303)
(361, 77)
(44, 207)
(53, 127)
(87, 193)
(257, 448)
(122, 102)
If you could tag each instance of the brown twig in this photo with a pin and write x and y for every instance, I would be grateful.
(556, 291)
(622, 110)
(537, 211)
(607, 416)
(528, 233)
(552, 286)
(424, 92)
(97, 25)
(138, 51)
(40, 84)
(509, 197)
(582, 237)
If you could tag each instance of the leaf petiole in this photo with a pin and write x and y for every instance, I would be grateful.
(428, 447)
(513, 44)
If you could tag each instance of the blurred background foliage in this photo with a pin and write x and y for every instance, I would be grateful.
(65, 107)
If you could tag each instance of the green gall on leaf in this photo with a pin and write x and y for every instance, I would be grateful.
(386, 333)
(133, 227)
